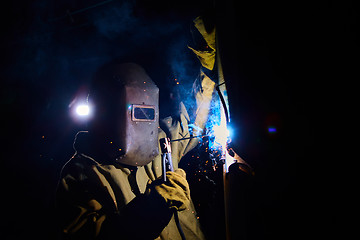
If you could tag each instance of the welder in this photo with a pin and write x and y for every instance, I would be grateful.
(113, 188)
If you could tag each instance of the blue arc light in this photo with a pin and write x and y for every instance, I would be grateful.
(272, 129)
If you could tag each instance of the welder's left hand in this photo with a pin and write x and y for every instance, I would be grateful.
(175, 191)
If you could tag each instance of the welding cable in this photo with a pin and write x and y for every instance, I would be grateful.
(176, 217)
(166, 159)
(223, 101)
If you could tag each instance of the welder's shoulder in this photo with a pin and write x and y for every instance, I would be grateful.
(77, 166)
(171, 122)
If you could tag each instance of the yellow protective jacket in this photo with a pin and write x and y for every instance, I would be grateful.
(99, 199)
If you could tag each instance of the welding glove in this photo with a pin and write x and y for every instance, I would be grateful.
(204, 45)
(150, 212)
(175, 191)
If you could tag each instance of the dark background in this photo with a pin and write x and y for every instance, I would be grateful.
(287, 64)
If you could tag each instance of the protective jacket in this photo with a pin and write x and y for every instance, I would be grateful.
(100, 199)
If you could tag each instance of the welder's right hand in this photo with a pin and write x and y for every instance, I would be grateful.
(175, 191)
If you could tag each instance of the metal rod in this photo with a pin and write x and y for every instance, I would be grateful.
(180, 139)
(79, 11)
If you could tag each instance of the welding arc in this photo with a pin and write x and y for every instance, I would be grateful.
(180, 139)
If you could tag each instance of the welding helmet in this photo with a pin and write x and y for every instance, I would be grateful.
(126, 117)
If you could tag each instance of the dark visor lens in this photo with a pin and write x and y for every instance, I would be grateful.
(143, 113)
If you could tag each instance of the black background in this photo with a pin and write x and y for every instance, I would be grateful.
(289, 63)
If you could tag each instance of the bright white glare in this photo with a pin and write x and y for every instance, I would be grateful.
(221, 134)
(83, 110)
(230, 132)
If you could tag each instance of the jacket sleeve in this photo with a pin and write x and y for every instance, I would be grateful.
(80, 213)
(85, 212)
(205, 51)
(203, 99)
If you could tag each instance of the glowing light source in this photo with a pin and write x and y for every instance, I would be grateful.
(230, 132)
(83, 110)
(221, 134)
(272, 129)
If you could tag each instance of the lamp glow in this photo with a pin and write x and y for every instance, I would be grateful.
(83, 110)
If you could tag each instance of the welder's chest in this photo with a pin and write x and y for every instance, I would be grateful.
(124, 183)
